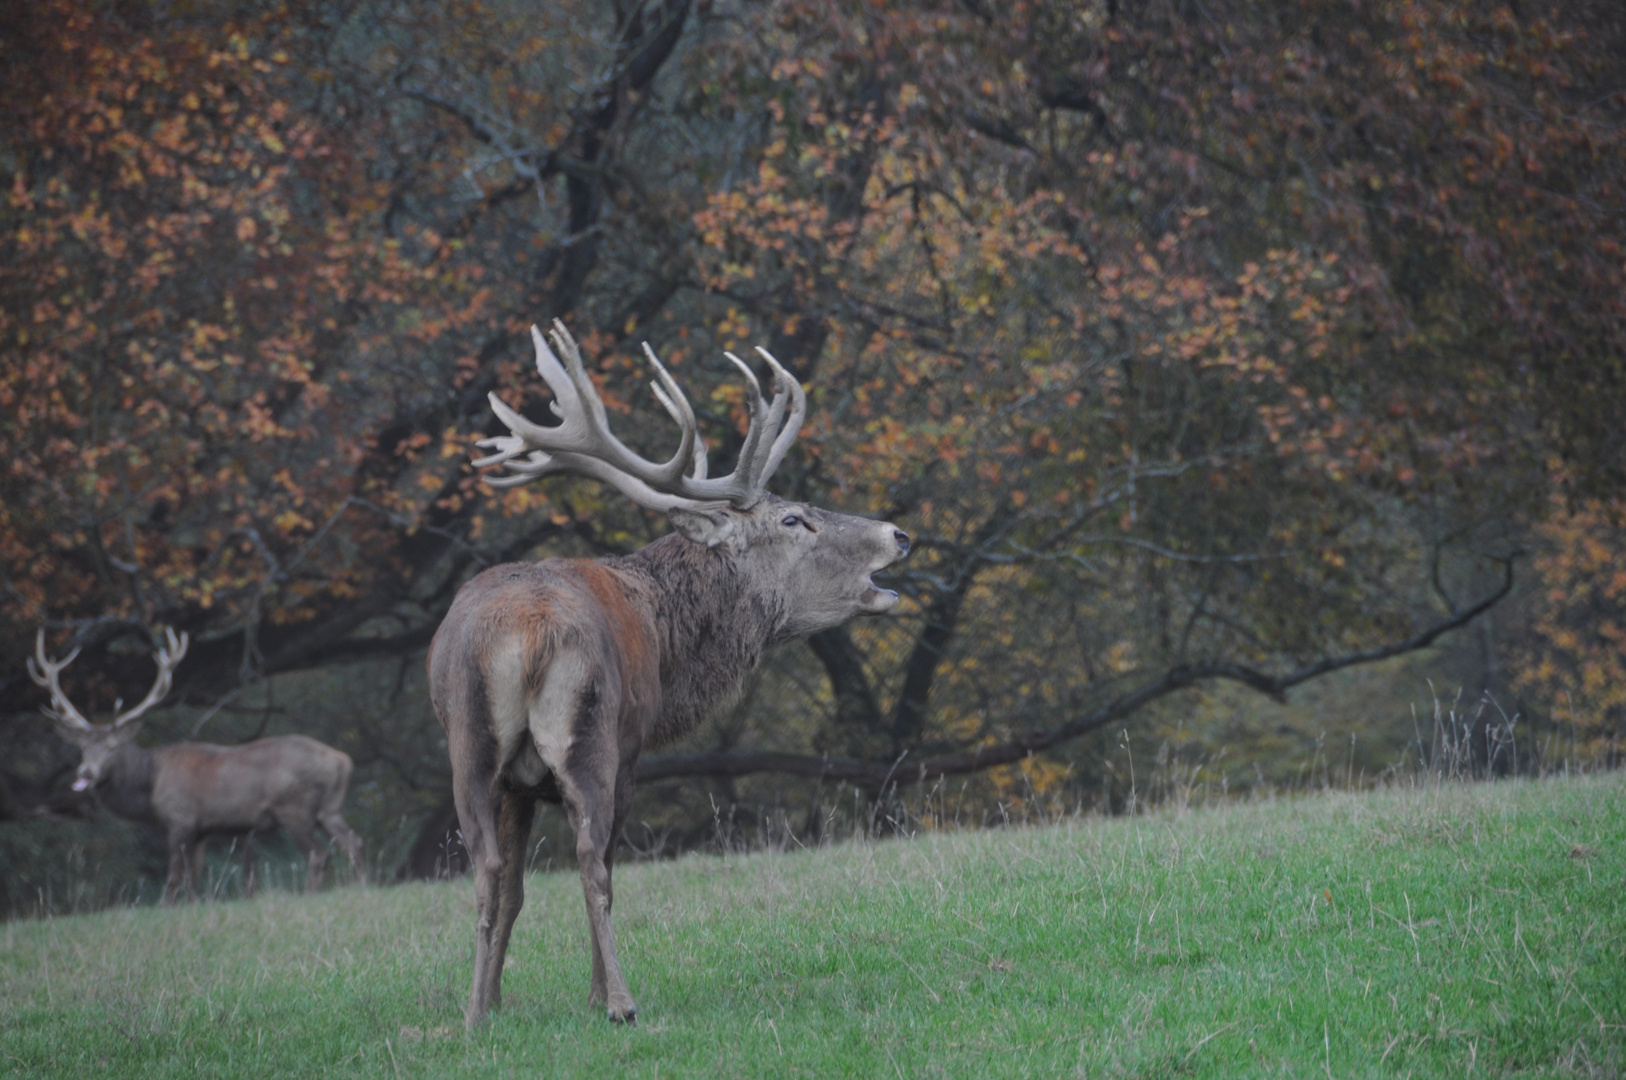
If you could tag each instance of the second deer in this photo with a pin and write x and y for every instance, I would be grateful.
(197, 791)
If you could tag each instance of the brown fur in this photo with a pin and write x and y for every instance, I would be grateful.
(199, 791)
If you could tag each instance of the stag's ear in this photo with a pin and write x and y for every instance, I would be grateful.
(709, 527)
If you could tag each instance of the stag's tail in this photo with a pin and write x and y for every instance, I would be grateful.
(465, 701)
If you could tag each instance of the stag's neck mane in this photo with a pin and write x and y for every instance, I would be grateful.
(126, 787)
(713, 626)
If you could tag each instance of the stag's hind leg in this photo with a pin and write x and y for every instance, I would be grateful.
(331, 815)
(573, 723)
(348, 841)
(498, 854)
(345, 836)
(181, 874)
(513, 833)
(305, 838)
(590, 797)
(194, 866)
(474, 792)
(623, 803)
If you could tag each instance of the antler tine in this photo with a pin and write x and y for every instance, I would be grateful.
(585, 390)
(675, 400)
(168, 657)
(526, 436)
(540, 464)
(700, 468)
(793, 427)
(757, 467)
(677, 405)
(583, 431)
(671, 395)
(745, 469)
(46, 672)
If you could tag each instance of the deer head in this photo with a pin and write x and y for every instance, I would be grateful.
(99, 742)
(819, 562)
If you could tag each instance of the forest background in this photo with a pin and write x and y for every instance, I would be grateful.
(1209, 350)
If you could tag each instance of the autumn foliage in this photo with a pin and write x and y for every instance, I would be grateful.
(1574, 656)
(192, 379)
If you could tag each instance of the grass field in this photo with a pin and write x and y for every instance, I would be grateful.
(1441, 931)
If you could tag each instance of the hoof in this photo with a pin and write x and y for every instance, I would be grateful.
(627, 1015)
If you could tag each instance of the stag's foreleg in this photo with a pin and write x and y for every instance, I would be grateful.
(251, 867)
(180, 841)
(194, 868)
(172, 881)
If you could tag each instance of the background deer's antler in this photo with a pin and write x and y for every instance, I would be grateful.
(168, 657)
(47, 673)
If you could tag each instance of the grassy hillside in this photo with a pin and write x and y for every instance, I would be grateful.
(1430, 932)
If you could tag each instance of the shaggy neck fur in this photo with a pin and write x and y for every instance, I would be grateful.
(714, 626)
(126, 784)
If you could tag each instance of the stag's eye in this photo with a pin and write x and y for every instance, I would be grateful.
(791, 521)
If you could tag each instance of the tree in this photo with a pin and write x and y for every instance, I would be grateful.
(1196, 343)
(1573, 662)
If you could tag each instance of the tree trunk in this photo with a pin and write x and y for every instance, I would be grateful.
(438, 853)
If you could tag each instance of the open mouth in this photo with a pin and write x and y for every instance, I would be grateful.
(875, 599)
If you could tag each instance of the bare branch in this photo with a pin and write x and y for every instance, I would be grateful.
(1181, 677)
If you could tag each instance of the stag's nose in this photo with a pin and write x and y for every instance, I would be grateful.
(903, 541)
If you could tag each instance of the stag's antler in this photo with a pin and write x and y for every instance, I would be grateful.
(168, 657)
(46, 672)
(583, 444)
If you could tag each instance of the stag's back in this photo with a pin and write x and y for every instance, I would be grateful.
(257, 785)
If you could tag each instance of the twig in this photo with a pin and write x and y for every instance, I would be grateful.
(1204, 1040)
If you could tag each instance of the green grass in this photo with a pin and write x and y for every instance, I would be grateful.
(1432, 932)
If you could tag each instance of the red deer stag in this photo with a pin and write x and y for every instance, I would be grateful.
(551, 678)
(196, 791)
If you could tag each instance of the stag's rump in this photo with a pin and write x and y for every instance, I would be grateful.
(531, 649)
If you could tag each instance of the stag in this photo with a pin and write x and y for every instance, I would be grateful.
(551, 678)
(197, 791)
